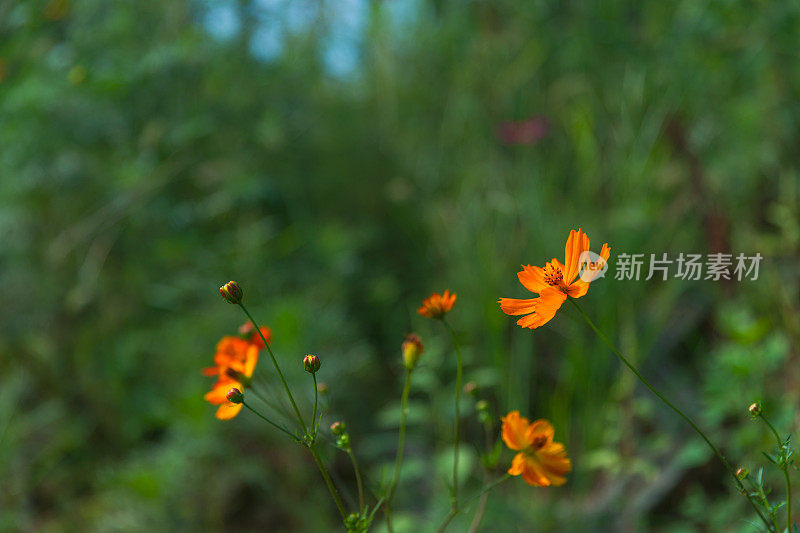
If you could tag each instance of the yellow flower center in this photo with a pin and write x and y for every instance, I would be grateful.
(553, 275)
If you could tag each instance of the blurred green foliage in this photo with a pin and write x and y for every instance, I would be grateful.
(145, 161)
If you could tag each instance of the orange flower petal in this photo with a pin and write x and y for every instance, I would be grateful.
(540, 428)
(532, 278)
(512, 306)
(250, 362)
(211, 371)
(545, 307)
(219, 394)
(577, 243)
(436, 305)
(581, 285)
(228, 410)
(517, 465)
(534, 475)
(515, 429)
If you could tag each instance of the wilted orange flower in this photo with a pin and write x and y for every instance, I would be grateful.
(249, 333)
(555, 282)
(436, 305)
(540, 461)
(234, 362)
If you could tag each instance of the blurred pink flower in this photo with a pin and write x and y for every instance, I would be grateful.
(528, 131)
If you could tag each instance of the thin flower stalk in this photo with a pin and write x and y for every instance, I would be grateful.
(785, 468)
(484, 498)
(401, 442)
(314, 414)
(487, 488)
(309, 441)
(359, 483)
(277, 368)
(459, 376)
(683, 415)
(328, 481)
(270, 422)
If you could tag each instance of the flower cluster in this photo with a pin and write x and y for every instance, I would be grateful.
(539, 459)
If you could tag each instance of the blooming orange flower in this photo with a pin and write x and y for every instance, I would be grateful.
(540, 461)
(436, 305)
(248, 333)
(554, 282)
(234, 362)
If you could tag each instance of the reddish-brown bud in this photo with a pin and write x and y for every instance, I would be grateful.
(311, 363)
(754, 409)
(337, 428)
(231, 292)
(235, 395)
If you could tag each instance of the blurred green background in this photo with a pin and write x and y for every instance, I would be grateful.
(342, 160)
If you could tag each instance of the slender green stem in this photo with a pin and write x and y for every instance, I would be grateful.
(459, 373)
(277, 369)
(765, 501)
(479, 512)
(328, 481)
(358, 479)
(311, 447)
(476, 520)
(254, 388)
(672, 406)
(487, 488)
(401, 442)
(314, 416)
(785, 469)
(294, 438)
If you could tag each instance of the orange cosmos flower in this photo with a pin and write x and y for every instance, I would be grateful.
(436, 305)
(555, 282)
(540, 461)
(234, 362)
(248, 333)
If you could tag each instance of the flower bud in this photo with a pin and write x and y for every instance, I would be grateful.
(235, 396)
(231, 292)
(412, 350)
(755, 409)
(337, 428)
(343, 441)
(742, 473)
(311, 363)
